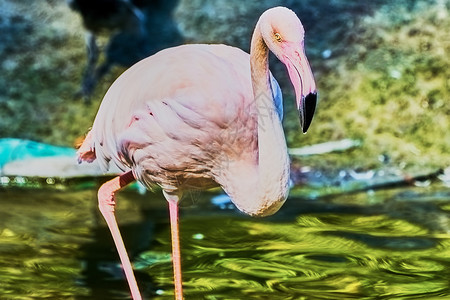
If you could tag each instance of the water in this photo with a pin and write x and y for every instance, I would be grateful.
(388, 244)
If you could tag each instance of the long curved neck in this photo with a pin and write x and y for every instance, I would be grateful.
(273, 160)
(259, 65)
(261, 190)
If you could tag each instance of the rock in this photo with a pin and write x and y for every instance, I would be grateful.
(57, 166)
(33, 159)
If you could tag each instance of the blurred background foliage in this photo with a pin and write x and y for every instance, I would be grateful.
(382, 69)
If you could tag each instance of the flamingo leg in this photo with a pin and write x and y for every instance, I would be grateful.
(106, 204)
(176, 256)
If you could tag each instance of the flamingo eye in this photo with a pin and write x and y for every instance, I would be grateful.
(278, 37)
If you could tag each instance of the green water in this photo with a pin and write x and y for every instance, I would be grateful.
(391, 244)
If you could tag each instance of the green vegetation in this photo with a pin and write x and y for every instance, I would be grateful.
(389, 87)
(386, 81)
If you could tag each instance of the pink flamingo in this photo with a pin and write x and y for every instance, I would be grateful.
(200, 116)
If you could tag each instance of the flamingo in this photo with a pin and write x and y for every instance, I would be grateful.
(200, 116)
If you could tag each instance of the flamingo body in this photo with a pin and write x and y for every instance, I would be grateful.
(184, 118)
(199, 116)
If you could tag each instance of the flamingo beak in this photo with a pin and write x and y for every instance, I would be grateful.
(303, 80)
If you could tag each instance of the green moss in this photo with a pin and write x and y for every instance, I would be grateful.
(386, 82)
(393, 94)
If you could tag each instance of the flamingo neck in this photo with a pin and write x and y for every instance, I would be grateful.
(273, 161)
(259, 64)
(261, 189)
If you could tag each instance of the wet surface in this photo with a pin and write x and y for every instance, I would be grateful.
(363, 245)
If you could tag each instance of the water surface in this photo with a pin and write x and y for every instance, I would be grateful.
(388, 244)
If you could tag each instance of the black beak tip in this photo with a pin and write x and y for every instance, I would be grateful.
(309, 107)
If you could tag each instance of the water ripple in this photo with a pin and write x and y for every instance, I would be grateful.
(59, 252)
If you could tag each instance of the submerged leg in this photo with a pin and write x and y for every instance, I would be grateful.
(176, 256)
(106, 204)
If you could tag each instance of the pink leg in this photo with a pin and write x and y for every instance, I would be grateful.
(176, 256)
(107, 203)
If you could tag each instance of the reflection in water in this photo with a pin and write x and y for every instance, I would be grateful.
(54, 245)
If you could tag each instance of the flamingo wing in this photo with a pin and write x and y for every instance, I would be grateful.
(194, 99)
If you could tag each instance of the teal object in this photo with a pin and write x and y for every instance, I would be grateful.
(17, 149)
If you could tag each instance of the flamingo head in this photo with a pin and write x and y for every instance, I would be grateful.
(284, 35)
